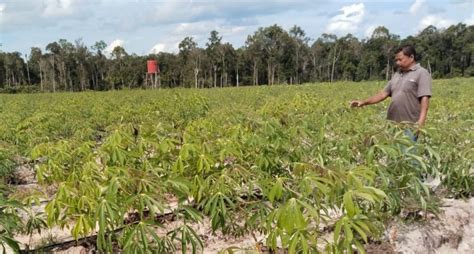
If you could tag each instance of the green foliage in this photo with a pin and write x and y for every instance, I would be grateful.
(9, 223)
(287, 162)
(6, 163)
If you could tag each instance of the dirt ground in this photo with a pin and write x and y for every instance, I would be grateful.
(451, 231)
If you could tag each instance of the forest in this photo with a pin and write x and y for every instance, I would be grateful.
(271, 55)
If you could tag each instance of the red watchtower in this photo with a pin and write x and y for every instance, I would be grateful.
(153, 74)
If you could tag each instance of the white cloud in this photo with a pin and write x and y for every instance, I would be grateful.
(462, 4)
(159, 47)
(193, 28)
(470, 21)
(173, 11)
(434, 20)
(113, 44)
(203, 28)
(22, 15)
(169, 47)
(53, 8)
(200, 32)
(416, 6)
(145, 24)
(348, 21)
(369, 31)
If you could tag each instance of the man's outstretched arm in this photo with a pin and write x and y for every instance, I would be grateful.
(382, 95)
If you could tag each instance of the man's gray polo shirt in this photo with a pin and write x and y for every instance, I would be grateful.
(406, 90)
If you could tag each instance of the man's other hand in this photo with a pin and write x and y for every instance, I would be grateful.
(357, 104)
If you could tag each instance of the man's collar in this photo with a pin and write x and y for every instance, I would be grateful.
(415, 67)
(412, 68)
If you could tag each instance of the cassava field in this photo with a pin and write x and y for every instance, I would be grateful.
(293, 167)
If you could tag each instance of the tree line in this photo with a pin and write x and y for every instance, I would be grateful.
(271, 55)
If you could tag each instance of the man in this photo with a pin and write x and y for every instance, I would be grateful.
(410, 89)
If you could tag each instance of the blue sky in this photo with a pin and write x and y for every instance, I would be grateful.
(145, 26)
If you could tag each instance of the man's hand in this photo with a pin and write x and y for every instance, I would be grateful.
(357, 104)
(418, 126)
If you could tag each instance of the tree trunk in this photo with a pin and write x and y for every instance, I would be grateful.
(215, 75)
(196, 72)
(28, 72)
(273, 74)
(82, 78)
(329, 72)
(71, 87)
(335, 57)
(297, 65)
(429, 66)
(13, 79)
(237, 76)
(41, 74)
(66, 76)
(53, 75)
(303, 70)
(94, 80)
(269, 74)
(313, 58)
(223, 78)
(255, 73)
(63, 75)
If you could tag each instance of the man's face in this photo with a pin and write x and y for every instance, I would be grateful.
(403, 62)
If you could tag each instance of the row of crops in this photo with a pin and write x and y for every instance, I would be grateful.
(288, 162)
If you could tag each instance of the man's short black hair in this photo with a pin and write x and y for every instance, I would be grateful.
(408, 50)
